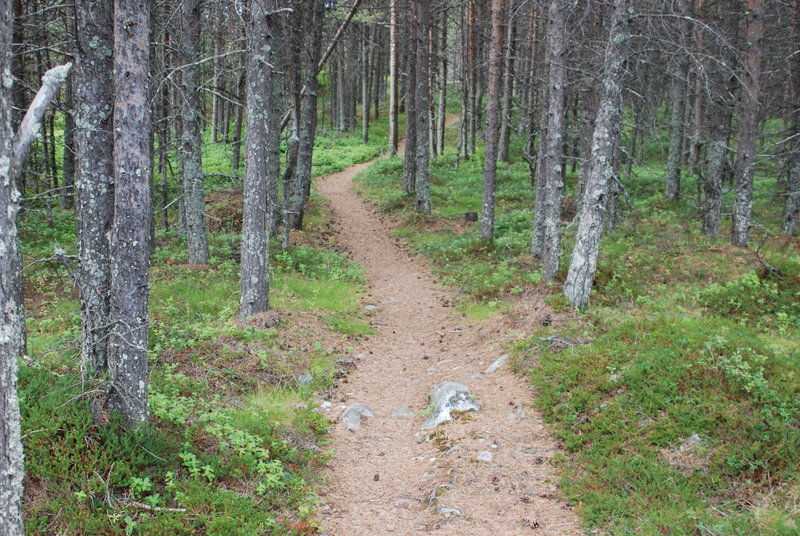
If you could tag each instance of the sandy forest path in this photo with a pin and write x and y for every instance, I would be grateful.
(382, 480)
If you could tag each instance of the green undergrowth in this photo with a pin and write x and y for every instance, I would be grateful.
(235, 443)
(676, 397)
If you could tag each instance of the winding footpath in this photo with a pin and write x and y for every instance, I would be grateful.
(382, 479)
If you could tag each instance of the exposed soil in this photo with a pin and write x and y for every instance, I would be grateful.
(381, 479)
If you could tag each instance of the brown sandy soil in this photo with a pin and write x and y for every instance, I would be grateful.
(381, 479)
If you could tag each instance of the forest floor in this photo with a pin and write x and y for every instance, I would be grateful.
(382, 479)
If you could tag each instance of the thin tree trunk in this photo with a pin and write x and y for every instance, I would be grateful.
(422, 105)
(410, 157)
(130, 240)
(550, 172)
(308, 113)
(583, 266)
(721, 111)
(492, 123)
(676, 125)
(94, 148)
(441, 113)
(254, 282)
(791, 207)
(393, 77)
(748, 124)
(508, 86)
(68, 164)
(236, 144)
(190, 151)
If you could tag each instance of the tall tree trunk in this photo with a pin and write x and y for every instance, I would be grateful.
(723, 84)
(422, 105)
(94, 154)
(393, 107)
(550, 173)
(365, 98)
(254, 282)
(410, 157)
(312, 25)
(748, 124)
(583, 266)
(12, 312)
(791, 207)
(190, 151)
(508, 85)
(492, 122)
(442, 104)
(676, 124)
(130, 239)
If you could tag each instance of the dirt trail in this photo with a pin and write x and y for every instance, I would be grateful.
(381, 479)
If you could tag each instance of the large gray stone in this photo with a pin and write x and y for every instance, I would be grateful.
(448, 398)
(351, 417)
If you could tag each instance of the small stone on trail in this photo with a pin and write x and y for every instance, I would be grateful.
(325, 405)
(473, 376)
(497, 364)
(373, 308)
(448, 512)
(352, 416)
(485, 456)
(449, 398)
(402, 411)
(305, 379)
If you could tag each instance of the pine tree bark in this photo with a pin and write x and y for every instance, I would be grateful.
(393, 82)
(312, 29)
(410, 156)
(68, 162)
(583, 266)
(261, 133)
(94, 152)
(12, 313)
(508, 85)
(130, 238)
(492, 122)
(791, 207)
(676, 124)
(748, 124)
(422, 97)
(723, 84)
(551, 184)
(190, 150)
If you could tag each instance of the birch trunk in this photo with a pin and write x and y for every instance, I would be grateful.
(583, 266)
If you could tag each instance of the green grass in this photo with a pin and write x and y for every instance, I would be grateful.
(234, 445)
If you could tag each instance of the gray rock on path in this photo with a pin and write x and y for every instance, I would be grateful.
(485, 456)
(449, 398)
(402, 411)
(497, 364)
(351, 417)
